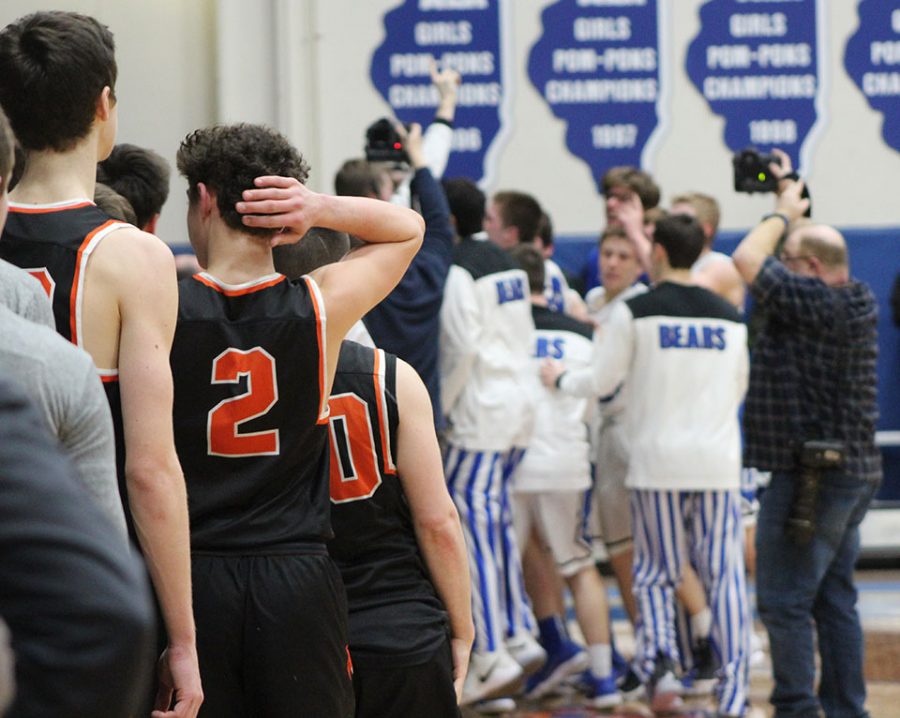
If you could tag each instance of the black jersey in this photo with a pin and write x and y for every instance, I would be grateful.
(53, 243)
(394, 609)
(250, 417)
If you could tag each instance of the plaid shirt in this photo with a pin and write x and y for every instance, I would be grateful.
(812, 373)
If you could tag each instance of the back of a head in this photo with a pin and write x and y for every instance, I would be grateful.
(53, 68)
(636, 180)
(114, 204)
(825, 243)
(357, 178)
(228, 158)
(319, 246)
(531, 261)
(545, 231)
(466, 203)
(140, 175)
(682, 238)
(519, 210)
(706, 208)
(7, 151)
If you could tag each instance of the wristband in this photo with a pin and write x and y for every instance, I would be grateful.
(559, 379)
(783, 217)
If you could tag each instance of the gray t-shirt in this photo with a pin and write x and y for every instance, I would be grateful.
(24, 295)
(62, 380)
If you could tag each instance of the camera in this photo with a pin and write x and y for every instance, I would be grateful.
(815, 457)
(751, 171)
(384, 144)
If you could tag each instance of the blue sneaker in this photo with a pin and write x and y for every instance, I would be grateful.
(567, 660)
(601, 692)
(620, 665)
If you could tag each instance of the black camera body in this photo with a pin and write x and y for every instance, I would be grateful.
(384, 144)
(751, 171)
(815, 457)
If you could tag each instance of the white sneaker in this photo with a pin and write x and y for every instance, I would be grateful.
(495, 706)
(490, 674)
(526, 651)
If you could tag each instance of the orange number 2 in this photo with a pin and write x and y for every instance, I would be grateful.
(226, 417)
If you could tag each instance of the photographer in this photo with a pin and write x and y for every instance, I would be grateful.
(810, 419)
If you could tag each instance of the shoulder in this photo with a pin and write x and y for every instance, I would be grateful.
(680, 300)
(481, 257)
(546, 319)
(134, 256)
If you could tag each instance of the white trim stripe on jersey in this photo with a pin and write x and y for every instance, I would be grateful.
(321, 320)
(84, 254)
(381, 394)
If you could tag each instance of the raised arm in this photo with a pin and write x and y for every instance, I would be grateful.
(351, 287)
(434, 515)
(144, 281)
(761, 241)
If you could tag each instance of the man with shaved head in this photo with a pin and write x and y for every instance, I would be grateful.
(810, 420)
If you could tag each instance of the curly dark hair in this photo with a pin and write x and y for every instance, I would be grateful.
(53, 67)
(227, 158)
(140, 175)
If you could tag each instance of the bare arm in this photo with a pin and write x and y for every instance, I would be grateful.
(144, 278)
(434, 515)
(631, 216)
(351, 287)
(762, 240)
(724, 279)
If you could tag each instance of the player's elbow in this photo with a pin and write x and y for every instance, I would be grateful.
(440, 530)
(152, 475)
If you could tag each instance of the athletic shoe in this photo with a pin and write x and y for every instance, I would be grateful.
(495, 706)
(664, 689)
(602, 692)
(490, 674)
(757, 651)
(527, 652)
(702, 679)
(569, 659)
(631, 687)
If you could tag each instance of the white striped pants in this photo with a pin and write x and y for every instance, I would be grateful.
(479, 481)
(704, 527)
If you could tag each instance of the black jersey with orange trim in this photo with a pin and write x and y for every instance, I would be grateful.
(395, 614)
(53, 243)
(250, 414)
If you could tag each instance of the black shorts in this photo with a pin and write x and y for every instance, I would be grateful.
(424, 689)
(272, 636)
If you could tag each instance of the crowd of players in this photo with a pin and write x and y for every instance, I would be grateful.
(312, 549)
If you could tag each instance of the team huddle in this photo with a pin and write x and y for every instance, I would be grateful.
(314, 548)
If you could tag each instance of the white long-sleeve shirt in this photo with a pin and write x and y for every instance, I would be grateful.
(488, 384)
(683, 352)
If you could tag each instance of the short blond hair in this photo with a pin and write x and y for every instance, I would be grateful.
(706, 208)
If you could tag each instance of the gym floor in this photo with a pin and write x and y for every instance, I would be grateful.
(879, 607)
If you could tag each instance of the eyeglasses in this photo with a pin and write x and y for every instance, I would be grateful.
(788, 259)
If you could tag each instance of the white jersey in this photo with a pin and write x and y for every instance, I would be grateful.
(558, 456)
(359, 334)
(488, 383)
(599, 308)
(683, 351)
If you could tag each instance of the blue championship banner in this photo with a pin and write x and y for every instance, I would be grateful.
(757, 63)
(597, 65)
(872, 59)
(464, 35)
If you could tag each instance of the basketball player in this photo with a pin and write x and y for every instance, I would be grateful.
(398, 542)
(488, 389)
(253, 366)
(684, 352)
(550, 485)
(113, 293)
